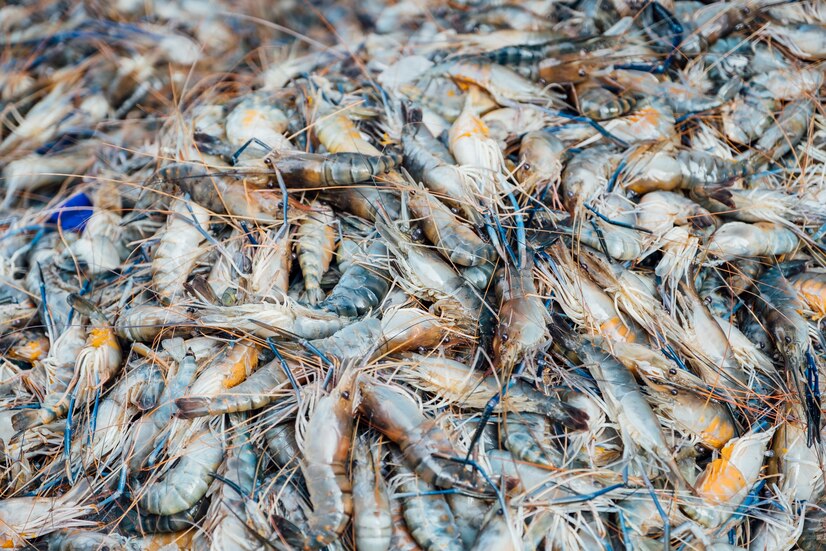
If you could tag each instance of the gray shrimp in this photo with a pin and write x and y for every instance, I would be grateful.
(453, 239)
(326, 449)
(428, 517)
(372, 518)
(363, 286)
(315, 246)
(257, 391)
(422, 441)
(187, 482)
(311, 170)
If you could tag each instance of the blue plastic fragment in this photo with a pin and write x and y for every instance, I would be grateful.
(73, 213)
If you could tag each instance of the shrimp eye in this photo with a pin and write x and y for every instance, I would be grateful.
(788, 340)
(582, 72)
(526, 166)
(672, 371)
(346, 394)
(504, 337)
(674, 392)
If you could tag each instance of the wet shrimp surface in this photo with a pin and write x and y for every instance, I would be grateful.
(411, 274)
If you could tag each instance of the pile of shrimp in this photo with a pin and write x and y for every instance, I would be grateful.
(402, 275)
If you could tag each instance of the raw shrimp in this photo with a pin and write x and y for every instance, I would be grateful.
(324, 457)
(315, 246)
(371, 506)
(179, 248)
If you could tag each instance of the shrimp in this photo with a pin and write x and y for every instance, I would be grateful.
(734, 240)
(804, 41)
(372, 519)
(600, 104)
(621, 243)
(179, 248)
(15, 315)
(43, 271)
(709, 346)
(779, 309)
(312, 170)
(115, 412)
(478, 155)
(726, 481)
(497, 532)
(355, 341)
(147, 428)
(363, 285)
(504, 84)
(339, 134)
(788, 83)
(222, 281)
(452, 238)
(270, 273)
(522, 319)
(424, 274)
(59, 370)
(315, 247)
(402, 539)
(759, 205)
(586, 176)
(792, 124)
(411, 328)
(368, 202)
(659, 211)
(223, 194)
(25, 518)
(524, 436)
(540, 161)
(811, 289)
(627, 406)
(282, 444)
(749, 115)
(428, 516)
(144, 323)
(232, 518)
(149, 525)
(258, 390)
(266, 319)
(78, 539)
(797, 463)
(430, 162)
(97, 362)
(423, 443)
(688, 170)
(698, 416)
(544, 484)
(586, 303)
(256, 117)
(227, 370)
(188, 480)
(326, 448)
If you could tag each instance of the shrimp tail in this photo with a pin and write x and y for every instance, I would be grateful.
(190, 407)
(571, 417)
(313, 296)
(289, 532)
(27, 419)
(85, 307)
(200, 288)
